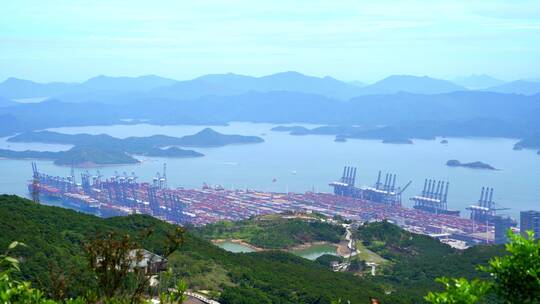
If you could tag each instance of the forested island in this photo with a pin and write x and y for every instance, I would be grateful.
(400, 141)
(531, 142)
(95, 150)
(404, 132)
(342, 133)
(471, 165)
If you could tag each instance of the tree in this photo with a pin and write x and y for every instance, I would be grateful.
(111, 260)
(116, 262)
(13, 291)
(515, 278)
(459, 291)
(176, 295)
(357, 265)
(115, 265)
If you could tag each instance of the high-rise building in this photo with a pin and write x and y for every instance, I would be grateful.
(530, 220)
(502, 224)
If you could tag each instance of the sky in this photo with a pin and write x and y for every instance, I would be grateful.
(350, 40)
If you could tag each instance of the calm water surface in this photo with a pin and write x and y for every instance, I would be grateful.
(301, 163)
(310, 253)
(233, 247)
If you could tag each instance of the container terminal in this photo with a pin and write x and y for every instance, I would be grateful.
(434, 200)
(123, 194)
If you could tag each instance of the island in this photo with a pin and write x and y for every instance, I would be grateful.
(388, 135)
(471, 165)
(79, 156)
(340, 138)
(401, 141)
(99, 150)
(323, 130)
(293, 130)
(531, 142)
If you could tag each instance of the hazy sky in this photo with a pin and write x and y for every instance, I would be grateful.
(351, 40)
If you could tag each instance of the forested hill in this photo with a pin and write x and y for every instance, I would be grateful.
(55, 239)
(417, 260)
(274, 231)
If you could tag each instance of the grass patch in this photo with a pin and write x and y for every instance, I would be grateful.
(368, 255)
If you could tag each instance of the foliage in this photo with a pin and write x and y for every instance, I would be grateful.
(20, 292)
(459, 291)
(514, 278)
(328, 259)
(415, 261)
(174, 296)
(357, 265)
(12, 291)
(112, 260)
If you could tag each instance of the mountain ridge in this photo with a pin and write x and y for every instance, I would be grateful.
(101, 86)
(478, 81)
(522, 87)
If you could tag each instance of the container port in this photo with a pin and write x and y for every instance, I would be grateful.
(434, 199)
(381, 192)
(125, 194)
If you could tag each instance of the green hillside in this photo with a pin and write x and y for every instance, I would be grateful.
(54, 237)
(274, 231)
(417, 260)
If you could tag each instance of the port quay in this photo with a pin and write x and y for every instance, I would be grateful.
(124, 194)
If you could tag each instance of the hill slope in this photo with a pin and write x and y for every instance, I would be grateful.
(273, 231)
(417, 260)
(55, 236)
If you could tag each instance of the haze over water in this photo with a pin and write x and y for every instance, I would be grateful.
(305, 163)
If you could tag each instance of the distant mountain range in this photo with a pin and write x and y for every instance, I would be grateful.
(232, 84)
(517, 87)
(508, 115)
(142, 83)
(411, 84)
(478, 82)
(4, 102)
(105, 89)
(15, 88)
(397, 107)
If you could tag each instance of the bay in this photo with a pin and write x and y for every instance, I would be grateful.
(306, 163)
